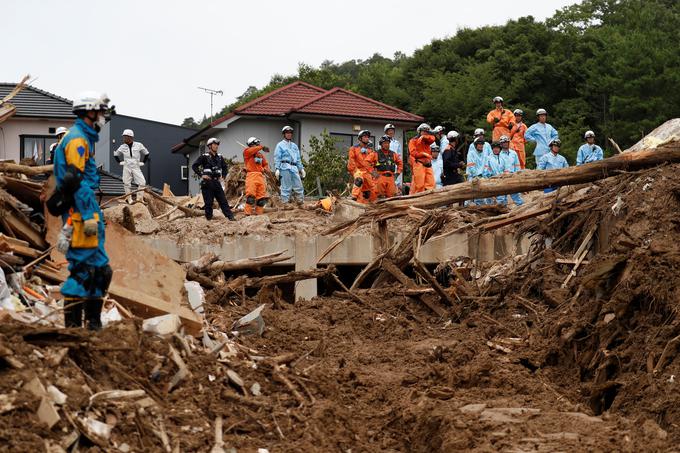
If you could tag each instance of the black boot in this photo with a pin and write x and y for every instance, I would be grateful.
(93, 312)
(73, 312)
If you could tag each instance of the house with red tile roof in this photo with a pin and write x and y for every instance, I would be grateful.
(309, 110)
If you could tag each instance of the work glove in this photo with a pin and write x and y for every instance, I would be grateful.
(303, 173)
(265, 149)
(364, 150)
(141, 164)
(90, 227)
(121, 163)
(277, 173)
(258, 160)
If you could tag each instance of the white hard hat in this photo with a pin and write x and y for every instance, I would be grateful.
(589, 134)
(91, 100)
(129, 133)
(497, 99)
(452, 135)
(253, 141)
(286, 129)
(388, 126)
(503, 139)
(61, 130)
(541, 112)
(423, 127)
(438, 129)
(479, 131)
(519, 112)
(212, 140)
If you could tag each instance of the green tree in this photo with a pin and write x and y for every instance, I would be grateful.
(190, 122)
(326, 163)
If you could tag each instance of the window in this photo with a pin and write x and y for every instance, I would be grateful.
(184, 169)
(36, 147)
(344, 141)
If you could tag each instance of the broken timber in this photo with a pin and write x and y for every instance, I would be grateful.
(529, 180)
(8, 167)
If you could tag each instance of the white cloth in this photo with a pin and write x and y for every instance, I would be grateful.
(132, 156)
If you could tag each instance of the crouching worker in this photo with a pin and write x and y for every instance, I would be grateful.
(212, 168)
(82, 239)
(256, 187)
(389, 166)
(361, 165)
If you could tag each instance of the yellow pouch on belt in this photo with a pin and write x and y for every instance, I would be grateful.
(80, 240)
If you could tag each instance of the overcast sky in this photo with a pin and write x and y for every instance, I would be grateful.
(150, 56)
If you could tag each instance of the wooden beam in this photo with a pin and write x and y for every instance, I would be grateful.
(514, 219)
(247, 263)
(7, 167)
(390, 267)
(187, 211)
(422, 270)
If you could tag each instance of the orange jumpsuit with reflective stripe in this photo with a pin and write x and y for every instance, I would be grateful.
(256, 186)
(420, 158)
(517, 141)
(502, 126)
(387, 164)
(362, 165)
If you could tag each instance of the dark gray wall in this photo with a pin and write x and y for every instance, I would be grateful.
(158, 138)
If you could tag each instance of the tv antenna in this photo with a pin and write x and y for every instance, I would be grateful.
(212, 93)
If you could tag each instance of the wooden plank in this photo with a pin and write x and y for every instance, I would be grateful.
(390, 267)
(146, 306)
(514, 219)
(22, 227)
(7, 167)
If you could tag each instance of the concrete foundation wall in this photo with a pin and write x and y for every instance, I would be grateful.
(354, 250)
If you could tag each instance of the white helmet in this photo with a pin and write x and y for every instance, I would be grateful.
(388, 126)
(519, 112)
(479, 131)
(212, 140)
(589, 134)
(129, 133)
(438, 129)
(61, 130)
(286, 129)
(504, 139)
(91, 100)
(497, 99)
(541, 112)
(423, 127)
(452, 135)
(252, 141)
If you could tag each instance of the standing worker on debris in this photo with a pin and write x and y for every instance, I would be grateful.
(420, 159)
(389, 167)
(289, 169)
(512, 164)
(452, 161)
(132, 156)
(395, 146)
(76, 175)
(59, 134)
(476, 162)
(361, 163)
(212, 168)
(437, 164)
(500, 119)
(542, 134)
(517, 138)
(256, 187)
(552, 160)
(496, 165)
(479, 133)
(589, 151)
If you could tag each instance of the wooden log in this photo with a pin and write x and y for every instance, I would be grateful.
(248, 263)
(528, 180)
(390, 267)
(422, 270)
(7, 167)
(515, 219)
(187, 211)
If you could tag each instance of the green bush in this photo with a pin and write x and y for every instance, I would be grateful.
(327, 163)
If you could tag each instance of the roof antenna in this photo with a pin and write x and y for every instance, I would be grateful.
(212, 93)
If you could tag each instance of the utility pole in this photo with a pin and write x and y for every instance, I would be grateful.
(212, 93)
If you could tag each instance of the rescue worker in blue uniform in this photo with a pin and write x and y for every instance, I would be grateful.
(289, 168)
(589, 151)
(212, 168)
(553, 160)
(77, 179)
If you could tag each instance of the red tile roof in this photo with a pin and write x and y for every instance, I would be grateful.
(280, 102)
(341, 102)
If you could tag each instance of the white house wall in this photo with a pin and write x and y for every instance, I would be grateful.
(10, 130)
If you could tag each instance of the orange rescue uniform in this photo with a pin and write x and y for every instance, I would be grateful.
(420, 158)
(256, 187)
(501, 127)
(362, 165)
(517, 142)
(388, 164)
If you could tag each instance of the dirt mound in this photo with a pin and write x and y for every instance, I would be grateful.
(610, 336)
